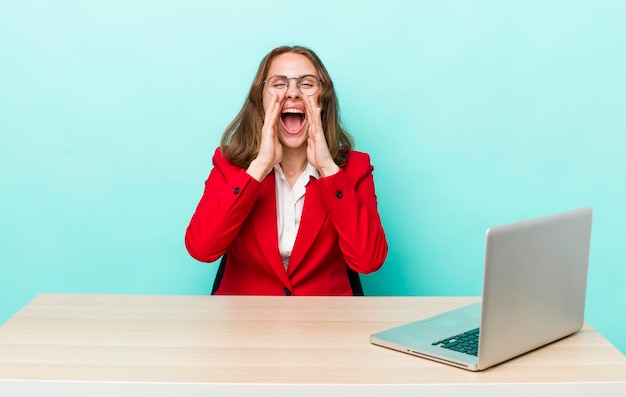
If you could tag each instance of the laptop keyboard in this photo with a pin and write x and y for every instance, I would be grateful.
(466, 342)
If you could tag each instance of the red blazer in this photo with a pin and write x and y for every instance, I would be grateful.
(340, 226)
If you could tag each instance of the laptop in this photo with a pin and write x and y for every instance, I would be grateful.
(534, 290)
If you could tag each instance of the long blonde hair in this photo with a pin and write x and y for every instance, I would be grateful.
(242, 138)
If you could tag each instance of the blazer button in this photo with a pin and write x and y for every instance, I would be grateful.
(339, 194)
(287, 292)
(236, 190)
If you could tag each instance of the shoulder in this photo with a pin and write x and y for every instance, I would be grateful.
(217, 155)
(356, 156)
(358, 164)
(357, 160)
(223, 164)
(219, 158)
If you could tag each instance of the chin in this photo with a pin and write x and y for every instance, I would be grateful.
(293, 141)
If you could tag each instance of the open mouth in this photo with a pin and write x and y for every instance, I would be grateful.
(292, 120)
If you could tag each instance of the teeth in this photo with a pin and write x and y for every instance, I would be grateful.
(293, 110)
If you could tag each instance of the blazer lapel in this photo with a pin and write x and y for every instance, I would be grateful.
(314, 214)
(266, 228)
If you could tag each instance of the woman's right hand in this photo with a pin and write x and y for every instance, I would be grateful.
(270, 150)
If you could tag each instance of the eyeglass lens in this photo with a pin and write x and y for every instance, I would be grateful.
(307, 84)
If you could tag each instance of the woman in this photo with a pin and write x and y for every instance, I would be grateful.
(288, 202)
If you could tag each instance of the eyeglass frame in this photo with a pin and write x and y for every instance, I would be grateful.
(297, 82)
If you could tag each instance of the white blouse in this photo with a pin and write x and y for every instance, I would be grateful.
(289, 204)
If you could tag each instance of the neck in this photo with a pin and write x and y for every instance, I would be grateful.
(293, 164)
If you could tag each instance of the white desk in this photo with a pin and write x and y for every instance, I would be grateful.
(91, 345)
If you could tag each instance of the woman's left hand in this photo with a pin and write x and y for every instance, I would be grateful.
(317, 148)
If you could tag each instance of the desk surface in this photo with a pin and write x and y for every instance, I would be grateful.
(287, 340)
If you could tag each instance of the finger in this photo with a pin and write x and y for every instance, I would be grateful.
(310, 108)
(315, 121)
(272, 113)
(310, 111)
(271, 109)
(277, 106)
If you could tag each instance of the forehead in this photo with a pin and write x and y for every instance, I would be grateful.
(292, 65)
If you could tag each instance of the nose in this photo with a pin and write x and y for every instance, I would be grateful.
(292, 89)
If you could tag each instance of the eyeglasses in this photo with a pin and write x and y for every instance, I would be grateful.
(308, 84)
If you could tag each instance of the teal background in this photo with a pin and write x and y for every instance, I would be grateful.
(475, 113)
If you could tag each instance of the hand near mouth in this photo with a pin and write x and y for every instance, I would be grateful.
(270, 149)
(317, 148)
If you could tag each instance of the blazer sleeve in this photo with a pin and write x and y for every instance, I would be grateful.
(351, 201)
(229, 195)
